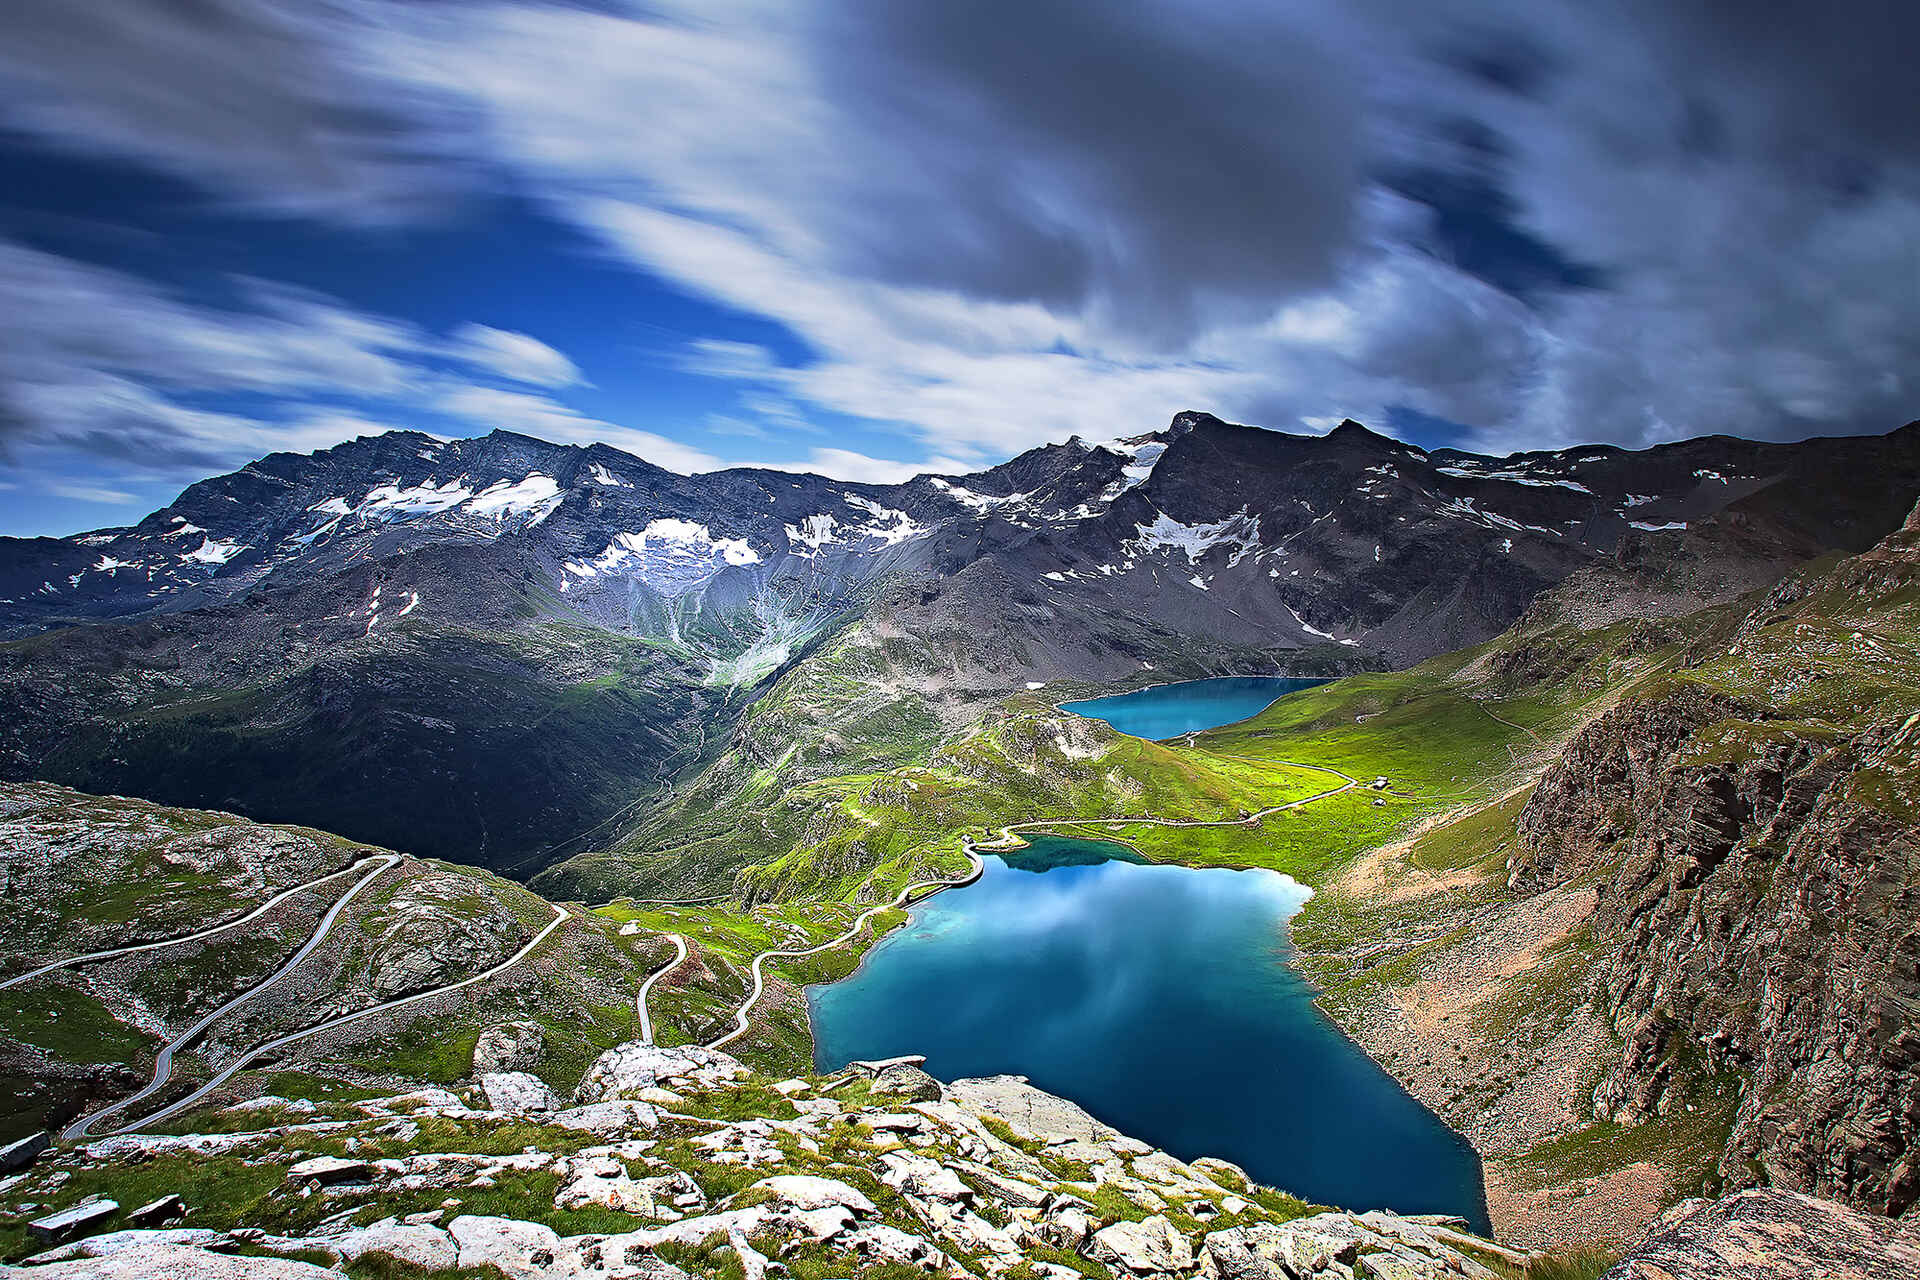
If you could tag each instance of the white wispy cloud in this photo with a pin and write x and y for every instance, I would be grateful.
(539, 415)
(516, 356)
(846, 464)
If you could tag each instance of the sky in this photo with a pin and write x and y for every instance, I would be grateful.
(874, 237)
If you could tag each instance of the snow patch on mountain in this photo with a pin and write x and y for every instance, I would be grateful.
(537, 495)
(1239, 531)
(1516, 477)
(884, 524)
(391, 502)
(980, 502)
(671, 555)
(211, 552)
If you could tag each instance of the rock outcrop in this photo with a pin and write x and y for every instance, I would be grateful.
(1771, 1235)
(1750, 824)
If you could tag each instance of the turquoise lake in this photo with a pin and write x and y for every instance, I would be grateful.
(1167, 710)
(1160, 999)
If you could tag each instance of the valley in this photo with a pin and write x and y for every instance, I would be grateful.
(1620, 892)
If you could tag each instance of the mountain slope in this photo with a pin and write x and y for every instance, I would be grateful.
(1672, 947)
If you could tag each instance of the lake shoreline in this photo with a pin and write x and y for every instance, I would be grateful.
(1318, 1104)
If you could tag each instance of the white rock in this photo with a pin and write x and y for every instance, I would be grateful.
(688, 1231)
(438, 1101)
(327, 1170)
(624, 1070)
(822, 1225)
(508, 1046)
(424, 1246)
(890, 1244)
(112, 1242)
(1029, 1111)
(174, 1262)
(518, 1093)
(603, 1181)
(804, 1191)
(522, 1250)
(1142, 1247)
(606, 1118)
(919, 1176)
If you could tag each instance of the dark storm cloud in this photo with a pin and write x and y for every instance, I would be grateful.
(997, 223)
(273, 102)
(1832, 78)
(1165, 161)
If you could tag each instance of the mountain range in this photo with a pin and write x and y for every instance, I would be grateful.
(503, 651)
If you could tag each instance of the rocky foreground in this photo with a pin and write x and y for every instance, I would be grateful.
(674, 1162)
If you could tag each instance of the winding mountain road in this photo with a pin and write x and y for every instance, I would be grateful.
(237, 921)
(640, 1000)
(974, 872)
(238, 1064)
(163, 1061)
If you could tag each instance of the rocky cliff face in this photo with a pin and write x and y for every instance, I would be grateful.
(1749, 825)
(1771, 1235)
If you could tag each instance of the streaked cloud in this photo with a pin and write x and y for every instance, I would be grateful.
(539, 415)
(973, 228)
(516, 356)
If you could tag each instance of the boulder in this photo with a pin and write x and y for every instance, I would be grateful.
(521, 1250)
(1066, 1226)
(1772, 1235)
(427, 1247)
(71, 1222)
(173, 1262)
(1027, 1110)
(1149, 1247)
(156, 1213)
(112, 1242)
(508, 1046)
(890, 1244)
(626, 1069)
(431, 1099)
(1389, 1266)
(328, 1170)
(608, 1119)
(803, 1191)
(917, 1175)
(1004, 1189)
(518, 1093)
(1267, 1252)
(603, 1181)
(22, 1152)
(907, 1081)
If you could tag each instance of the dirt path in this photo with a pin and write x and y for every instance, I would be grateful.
(560, 915)
(640, 1000)
(235, 923)
(163, 1061)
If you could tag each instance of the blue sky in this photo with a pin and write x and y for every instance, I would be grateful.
(868, 238)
